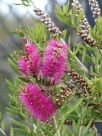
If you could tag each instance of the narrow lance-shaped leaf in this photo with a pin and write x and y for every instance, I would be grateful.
(73, 108)
(11, 132)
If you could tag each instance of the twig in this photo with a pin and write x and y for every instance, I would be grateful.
(2, 132)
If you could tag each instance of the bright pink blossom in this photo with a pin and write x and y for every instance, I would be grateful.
(54, 60)
(34, 63)
(22, 64)
(39, 105)
(29, 48)
(30, 63)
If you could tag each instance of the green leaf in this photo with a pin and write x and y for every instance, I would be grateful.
(76, 127)
(74, 107)
(38, 128)
(71, 18)
(46, 132)
(21, 131)
(86, 129)
(11, 132)
(10, 85)
(84, 55)
(19, 34)
(69, 41)
(13, 65)
(64, 33)
(37, 33)
(19, 31)
(66, 8)
(20, 124)
(79, 18)
(3, 125)
(61, 16)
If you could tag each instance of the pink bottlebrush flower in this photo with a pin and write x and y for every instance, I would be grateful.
(22, 65)
(39, 105)
(54, 60)
(29, 48)
(34, 63)
(31, 64)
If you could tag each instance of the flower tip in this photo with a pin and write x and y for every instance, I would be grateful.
(29, 48)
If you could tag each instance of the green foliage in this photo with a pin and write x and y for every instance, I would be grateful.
(78, 130)
(97, 32)
(11, 62)
(19, 31)
(89, 56)
(68, 16)
(38, 36)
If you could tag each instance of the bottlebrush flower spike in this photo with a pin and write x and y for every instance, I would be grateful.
(33, 58)
(40, 106)
(22, 64)
(34, 63)
(30, 63)
(54, 61)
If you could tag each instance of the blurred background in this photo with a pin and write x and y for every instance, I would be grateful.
(11, 16)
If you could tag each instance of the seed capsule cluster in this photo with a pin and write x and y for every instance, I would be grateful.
(65, 92)
(86, 37)
(95, 8)
(83, 30)
(82, 85)
(48, 22)
(84, 23)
